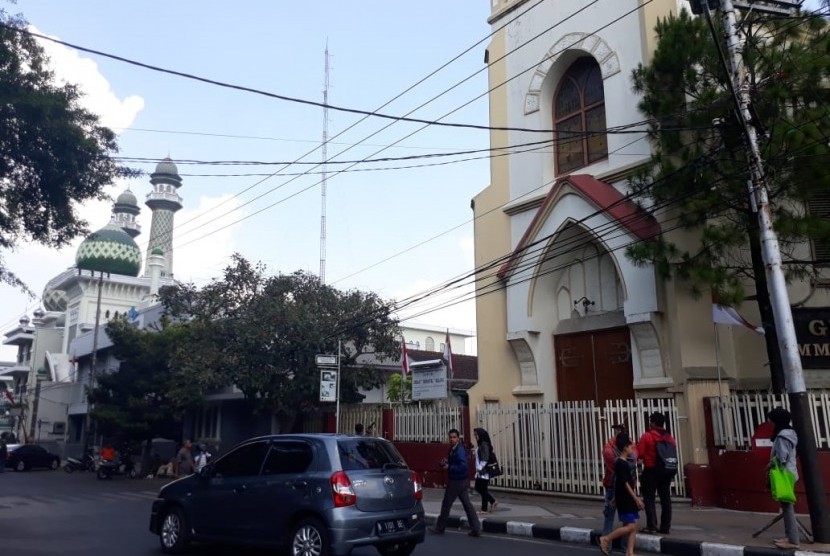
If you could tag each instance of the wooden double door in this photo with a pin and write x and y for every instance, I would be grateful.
(594, 365)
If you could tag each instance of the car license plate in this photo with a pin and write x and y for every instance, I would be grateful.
(391, 526)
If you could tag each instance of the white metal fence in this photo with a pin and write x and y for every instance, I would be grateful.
(427, 422)
(735, 418)
(365, 414)
(558, 447)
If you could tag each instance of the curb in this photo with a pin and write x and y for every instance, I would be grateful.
(647, 543)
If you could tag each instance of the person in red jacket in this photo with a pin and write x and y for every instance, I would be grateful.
(654, 480)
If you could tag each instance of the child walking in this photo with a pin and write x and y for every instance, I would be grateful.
(625, 499)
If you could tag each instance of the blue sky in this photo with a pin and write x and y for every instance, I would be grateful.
(378, 49)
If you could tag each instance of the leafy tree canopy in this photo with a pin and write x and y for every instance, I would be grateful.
(134, 402)
(54, 154)
(697, 178)
(261, 333)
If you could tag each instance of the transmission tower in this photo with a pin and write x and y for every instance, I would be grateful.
(323, 183)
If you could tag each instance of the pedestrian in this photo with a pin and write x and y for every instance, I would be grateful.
(202, 458)
(784, 441)
(656, 479)
(184, 459)
(610, 453)
(370, 430)
(625, 499)
(484, 450)
(458, 485)
(358, 429)
(4, 454)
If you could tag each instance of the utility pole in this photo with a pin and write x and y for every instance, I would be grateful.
(790, 357)
(89, 433)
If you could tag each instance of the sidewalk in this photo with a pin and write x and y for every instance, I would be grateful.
(695, 531)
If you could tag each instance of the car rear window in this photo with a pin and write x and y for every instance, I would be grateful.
(369, 453)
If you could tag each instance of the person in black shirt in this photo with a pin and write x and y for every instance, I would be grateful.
(625, 500)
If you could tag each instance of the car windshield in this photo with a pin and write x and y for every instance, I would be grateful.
(369, 453)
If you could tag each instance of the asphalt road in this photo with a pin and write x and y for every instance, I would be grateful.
(52, 512)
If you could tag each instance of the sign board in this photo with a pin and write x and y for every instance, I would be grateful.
(812, 331)
(328, 386)
(325, 360)
(429, 380)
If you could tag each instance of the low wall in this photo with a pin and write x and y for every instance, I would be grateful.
(426, 460)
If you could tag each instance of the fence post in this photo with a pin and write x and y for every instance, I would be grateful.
(711, 450)
(387, 423)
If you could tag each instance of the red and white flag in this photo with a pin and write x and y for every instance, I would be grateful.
(730, 317)
(448, 356)
(404, 358)
(9, 396)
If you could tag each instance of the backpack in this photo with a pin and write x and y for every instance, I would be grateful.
(666, 461)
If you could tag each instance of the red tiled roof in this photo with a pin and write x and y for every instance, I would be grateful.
(604, 196)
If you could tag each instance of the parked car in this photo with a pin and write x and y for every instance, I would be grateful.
(320, 494)
(23, 457)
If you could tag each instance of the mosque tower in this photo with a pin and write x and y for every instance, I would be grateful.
(124, 212)
(164, 201)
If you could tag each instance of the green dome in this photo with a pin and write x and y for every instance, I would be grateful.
(157, 251)
(109, 250)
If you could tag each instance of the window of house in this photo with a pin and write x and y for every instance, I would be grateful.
(206, 423)
(819, 205)
(578, 109)
(430, 344)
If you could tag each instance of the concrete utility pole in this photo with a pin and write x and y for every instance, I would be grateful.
(796, 389)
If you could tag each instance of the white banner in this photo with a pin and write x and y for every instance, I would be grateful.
(429, 384)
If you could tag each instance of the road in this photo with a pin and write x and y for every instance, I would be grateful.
(51, 512)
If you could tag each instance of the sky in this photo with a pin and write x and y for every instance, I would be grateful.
(397, 232)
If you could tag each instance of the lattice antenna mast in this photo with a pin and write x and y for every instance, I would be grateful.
(324, 181)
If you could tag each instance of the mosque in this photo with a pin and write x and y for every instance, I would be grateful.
(49, 377)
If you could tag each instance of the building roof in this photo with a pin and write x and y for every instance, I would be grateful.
(604, 196)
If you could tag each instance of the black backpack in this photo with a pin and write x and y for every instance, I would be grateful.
(666, 461)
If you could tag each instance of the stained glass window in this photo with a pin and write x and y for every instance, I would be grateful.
(579, 117)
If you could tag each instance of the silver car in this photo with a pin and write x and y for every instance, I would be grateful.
(315, 494)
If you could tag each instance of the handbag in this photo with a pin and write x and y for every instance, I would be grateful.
(782, 483)
(493, 468)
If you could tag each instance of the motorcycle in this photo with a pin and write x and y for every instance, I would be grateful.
(86, 463)
(123, 465)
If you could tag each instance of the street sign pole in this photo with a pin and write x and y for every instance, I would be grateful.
(337, 416)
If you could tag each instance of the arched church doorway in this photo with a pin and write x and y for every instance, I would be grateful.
(594, 365)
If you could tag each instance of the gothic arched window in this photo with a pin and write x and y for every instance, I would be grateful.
(579, 107)
(430, 344)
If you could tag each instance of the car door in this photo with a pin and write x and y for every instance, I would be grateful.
(284, 489)
(39, 457)
(222, 505)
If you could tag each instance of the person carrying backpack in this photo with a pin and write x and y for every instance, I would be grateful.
(658, 449)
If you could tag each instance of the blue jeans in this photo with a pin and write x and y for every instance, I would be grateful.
(608, 513)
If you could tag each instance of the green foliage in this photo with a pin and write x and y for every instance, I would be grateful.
(134, 402)
(697, 179)
(261, 334)
(399, 390)
(55, 154)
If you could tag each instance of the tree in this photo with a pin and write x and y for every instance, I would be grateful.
(134, 403)
(261, 334)
(399, 389)
(697, 179)
(54, 154)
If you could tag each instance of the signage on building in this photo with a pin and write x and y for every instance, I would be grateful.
(429, 380)
(812, 330)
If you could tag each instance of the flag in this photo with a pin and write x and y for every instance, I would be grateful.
(404, 358)
(448, 356)
(730, 317)
(9, 396)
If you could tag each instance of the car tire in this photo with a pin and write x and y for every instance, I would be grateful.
(174, 532)
(20, 466)
(54, 465)
(404, 548)
(309, 538)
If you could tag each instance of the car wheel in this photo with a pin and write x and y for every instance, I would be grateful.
(397, 549)
(310, 538)
(20, 466)
(54, 465)
(174, 535)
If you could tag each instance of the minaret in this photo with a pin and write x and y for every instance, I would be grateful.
(164, 201)
(124, 212)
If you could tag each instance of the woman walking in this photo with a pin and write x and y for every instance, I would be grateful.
(484, 448)
(784, 441)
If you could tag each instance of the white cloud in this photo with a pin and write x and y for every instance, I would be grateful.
(99, 98)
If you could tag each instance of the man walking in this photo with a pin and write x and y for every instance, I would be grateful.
(659, 452)
(458, 486)
(184, 460)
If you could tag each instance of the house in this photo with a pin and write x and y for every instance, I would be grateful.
(569, 317)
